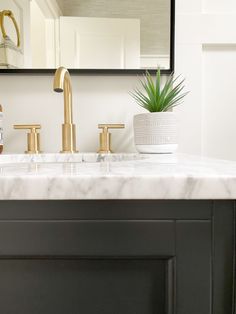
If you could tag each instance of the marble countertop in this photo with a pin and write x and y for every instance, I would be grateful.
(117, 176)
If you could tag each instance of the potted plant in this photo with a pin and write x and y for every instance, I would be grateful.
(156, 131)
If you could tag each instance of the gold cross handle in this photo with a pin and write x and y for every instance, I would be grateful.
(33, 137)
(105, 136)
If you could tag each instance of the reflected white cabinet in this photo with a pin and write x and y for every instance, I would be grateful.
(99, 43)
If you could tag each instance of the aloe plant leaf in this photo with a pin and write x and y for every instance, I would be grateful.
(142, 100)
(155, 98)
(175, 102)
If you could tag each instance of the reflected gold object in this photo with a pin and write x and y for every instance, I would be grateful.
(105, 137)
(9, 14)
(62, 83)
(33, 138)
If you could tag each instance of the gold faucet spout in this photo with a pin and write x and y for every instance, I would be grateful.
(62, 83)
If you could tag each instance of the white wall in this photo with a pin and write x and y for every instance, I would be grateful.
(30, 99)
(205, 54)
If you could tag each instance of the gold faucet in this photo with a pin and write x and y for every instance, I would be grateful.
(62, 83)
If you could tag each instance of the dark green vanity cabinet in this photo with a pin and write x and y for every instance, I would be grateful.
(117, 257)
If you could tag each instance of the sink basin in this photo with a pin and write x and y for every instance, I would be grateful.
(68, 158)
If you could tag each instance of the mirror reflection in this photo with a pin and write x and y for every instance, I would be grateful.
(85, 34)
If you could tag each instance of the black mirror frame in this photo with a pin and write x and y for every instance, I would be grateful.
(110, 71)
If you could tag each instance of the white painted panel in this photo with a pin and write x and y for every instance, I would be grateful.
(219, 111)
(43, 43)
(205, 28)
(194, 30)
(50, 43)
(188, 29)
(189, 65)
(189, 6)
(218, 28)
(116, 42)
(38, 36)
(219, 6)
(109, 53)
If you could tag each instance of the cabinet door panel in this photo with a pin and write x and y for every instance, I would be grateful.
(84, 286)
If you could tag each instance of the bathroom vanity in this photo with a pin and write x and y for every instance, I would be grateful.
(118, 234)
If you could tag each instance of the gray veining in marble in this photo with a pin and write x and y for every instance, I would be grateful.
(118, 176)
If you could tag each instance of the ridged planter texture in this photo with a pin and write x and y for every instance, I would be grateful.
(155, 132)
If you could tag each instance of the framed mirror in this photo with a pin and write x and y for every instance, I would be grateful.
(87, 36)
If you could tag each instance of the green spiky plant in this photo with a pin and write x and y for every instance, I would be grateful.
(155, 98)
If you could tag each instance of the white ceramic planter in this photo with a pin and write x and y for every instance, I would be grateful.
(155, 132)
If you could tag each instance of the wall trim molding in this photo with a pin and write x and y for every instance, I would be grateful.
(50, 9)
